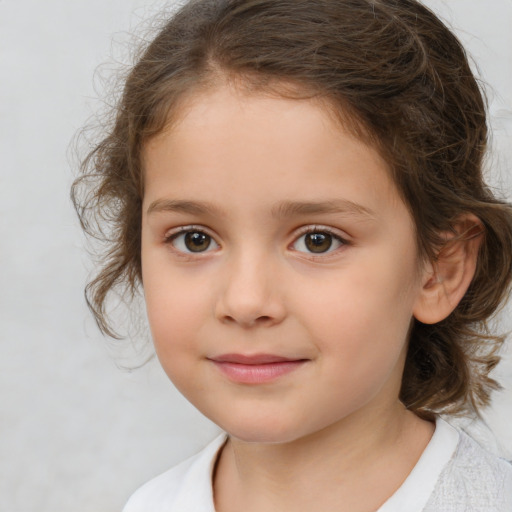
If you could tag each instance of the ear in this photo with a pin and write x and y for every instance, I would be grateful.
(446, 280)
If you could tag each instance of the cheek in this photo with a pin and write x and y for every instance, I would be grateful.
(378, 291)
(176, 306)
(176, 315)
(173, 312)
(361, 318)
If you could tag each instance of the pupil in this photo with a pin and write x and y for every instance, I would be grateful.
(197, 242)
(318, 242)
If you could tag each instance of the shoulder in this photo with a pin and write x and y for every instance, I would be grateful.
(474, 480)
(185, 487)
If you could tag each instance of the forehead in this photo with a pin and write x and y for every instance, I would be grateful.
(225, 94)
(226, 140)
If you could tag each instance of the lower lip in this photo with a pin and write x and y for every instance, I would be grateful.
(257, 373)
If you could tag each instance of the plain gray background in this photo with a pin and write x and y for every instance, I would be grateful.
(77, 433)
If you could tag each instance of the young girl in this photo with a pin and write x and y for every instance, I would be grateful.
(296, 186)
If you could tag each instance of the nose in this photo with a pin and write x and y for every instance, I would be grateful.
(250, 293)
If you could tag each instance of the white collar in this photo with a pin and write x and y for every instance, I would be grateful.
(414, 493)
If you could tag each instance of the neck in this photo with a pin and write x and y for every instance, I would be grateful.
(338, 465)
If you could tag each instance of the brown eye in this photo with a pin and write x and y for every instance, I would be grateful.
(318, 242)
(192, 242)
(197, 242)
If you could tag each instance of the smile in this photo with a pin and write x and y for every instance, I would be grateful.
(255, 369)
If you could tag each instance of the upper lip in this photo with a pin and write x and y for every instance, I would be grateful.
(253, 359)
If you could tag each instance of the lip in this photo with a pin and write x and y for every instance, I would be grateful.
(256, 368)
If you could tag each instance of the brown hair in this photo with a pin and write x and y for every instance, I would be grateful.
(403, 80)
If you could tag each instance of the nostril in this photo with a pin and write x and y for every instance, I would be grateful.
(261, 320)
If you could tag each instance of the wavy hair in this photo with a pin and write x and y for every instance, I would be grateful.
(401, 79)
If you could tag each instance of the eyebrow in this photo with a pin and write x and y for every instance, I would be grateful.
(190, 207)
(339, 206)
(281, 210)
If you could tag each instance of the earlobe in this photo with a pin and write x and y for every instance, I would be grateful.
(446, 280)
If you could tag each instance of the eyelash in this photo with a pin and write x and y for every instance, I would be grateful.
(171, 238)
(324, 231)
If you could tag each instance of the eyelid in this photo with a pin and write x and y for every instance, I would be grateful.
(316, 228)
(172, 234)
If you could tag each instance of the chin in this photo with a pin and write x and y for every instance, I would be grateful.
(259, 431)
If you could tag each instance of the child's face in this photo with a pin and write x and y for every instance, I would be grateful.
(267, 229)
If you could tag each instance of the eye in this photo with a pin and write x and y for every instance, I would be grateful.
(192, 241)
(318, 242)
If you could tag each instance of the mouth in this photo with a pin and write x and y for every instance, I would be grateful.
(257, 368)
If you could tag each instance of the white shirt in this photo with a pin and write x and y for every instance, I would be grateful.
(454, 474)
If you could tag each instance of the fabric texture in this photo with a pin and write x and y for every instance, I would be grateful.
(454, 474)
(473, 481)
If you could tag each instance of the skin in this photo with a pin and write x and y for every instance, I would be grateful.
(332, 434)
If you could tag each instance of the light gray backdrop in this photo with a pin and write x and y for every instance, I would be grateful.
(78, 434)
